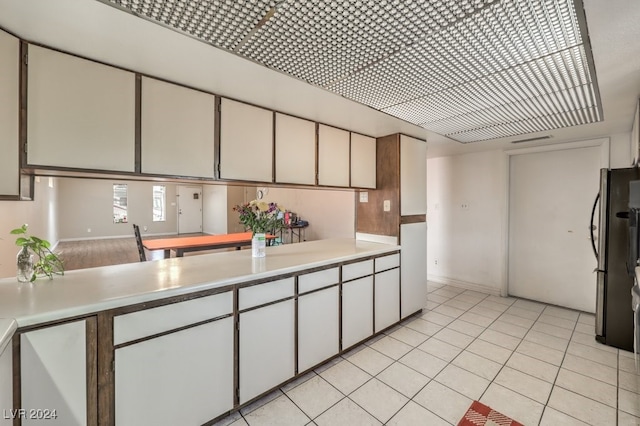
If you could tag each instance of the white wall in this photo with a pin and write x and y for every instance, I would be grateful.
(330, 213)
(88, 204)
(467, 244)
(39, 214)
(237, 195)
(214, 209)
(620, 151)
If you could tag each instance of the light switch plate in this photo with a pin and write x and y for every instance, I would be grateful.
(387, 205)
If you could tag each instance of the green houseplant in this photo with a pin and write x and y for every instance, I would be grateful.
(261, 217)
(47, 262)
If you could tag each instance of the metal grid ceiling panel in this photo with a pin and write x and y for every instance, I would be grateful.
(469, 69)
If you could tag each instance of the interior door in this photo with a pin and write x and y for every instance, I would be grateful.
(550, 201)
(189, 209)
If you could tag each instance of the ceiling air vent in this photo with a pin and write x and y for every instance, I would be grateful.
(539, 138)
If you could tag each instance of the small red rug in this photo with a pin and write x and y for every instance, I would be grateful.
(481, 415)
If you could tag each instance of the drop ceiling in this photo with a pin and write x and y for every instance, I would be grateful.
(102, 31)
(471, 70)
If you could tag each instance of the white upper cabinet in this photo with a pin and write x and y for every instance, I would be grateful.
(9, 93)
(246, 142)
(363, 161)
(295, 150)
(178, 127)
(81, 114)
(333, 156)
(413, 176)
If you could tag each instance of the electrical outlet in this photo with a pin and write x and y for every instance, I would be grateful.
(387, 205)
(364, 197)
(435, 261)
(464, 206)
(145, 228)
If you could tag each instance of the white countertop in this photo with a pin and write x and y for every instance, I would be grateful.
(7, 327)
(91, 290)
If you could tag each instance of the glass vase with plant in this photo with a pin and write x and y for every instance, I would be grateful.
(47, 262)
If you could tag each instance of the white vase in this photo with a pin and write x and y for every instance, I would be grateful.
(259, 244)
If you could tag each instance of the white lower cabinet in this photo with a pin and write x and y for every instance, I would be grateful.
(53, 372)
(185, 377)
(6, 385)
(357, 311)
(387, 298)
(318, 327)
(267, 348)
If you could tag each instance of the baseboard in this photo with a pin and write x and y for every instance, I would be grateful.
(110, 237)
(464, 284)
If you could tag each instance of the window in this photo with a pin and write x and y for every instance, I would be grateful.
(119, 203)
(159, 203)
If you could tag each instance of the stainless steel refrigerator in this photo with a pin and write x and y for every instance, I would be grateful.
(614, 315)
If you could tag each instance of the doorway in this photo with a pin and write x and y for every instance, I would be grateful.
(551, 194)
(189, 209)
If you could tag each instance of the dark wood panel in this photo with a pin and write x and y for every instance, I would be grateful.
(416, 218)
(371, 218)
(138, 126)
(105, 370)
(17, 378)
(92, 370)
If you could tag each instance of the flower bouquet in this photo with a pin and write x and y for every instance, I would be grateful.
(260, 217)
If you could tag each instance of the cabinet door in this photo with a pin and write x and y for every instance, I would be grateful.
(177, 130)
(9, 92)
(387, 300)
(81, 113)
(413, 176)
(6, 384)
(413, 266)
(266, 348)
(333, 156)
(53, 372)
(317, 327)
(246, 142)
(181, 378)
(357, 311)
(363, 161)
(295, 150)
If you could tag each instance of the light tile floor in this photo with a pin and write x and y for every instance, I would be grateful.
(536, 363)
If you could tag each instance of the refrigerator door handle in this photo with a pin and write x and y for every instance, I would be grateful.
(602, 225)
(593, 227)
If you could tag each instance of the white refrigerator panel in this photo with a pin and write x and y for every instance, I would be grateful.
(413, 267)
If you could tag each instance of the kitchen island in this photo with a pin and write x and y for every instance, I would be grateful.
(187, 340)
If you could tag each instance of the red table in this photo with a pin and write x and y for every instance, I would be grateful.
(182, 245)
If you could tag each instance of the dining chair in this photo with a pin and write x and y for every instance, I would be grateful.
(136, 231)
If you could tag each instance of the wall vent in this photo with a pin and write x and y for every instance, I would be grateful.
(539, 138)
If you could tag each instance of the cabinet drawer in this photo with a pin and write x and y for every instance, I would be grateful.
(137, 325)
(357, 270)
(387, 262)
(256, 295)
(315, 280)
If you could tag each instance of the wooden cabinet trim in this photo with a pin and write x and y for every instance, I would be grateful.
(138, 126)
(17, 377)
(91, 331)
